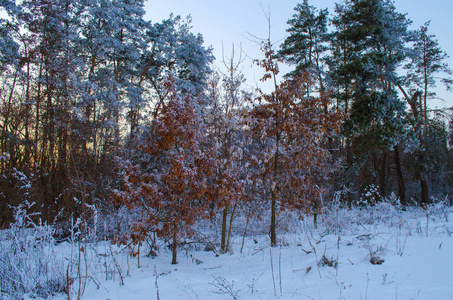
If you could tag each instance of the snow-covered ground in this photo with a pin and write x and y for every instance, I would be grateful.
(412, 253)
(424, 271)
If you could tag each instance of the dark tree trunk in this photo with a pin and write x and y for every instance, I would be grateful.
(273, 233)
(399, 175)
(174, 247)
(424, 192)
(349, 197)
(273, 220)
(224, 227)
(424, 197)
(315, 212)
(230, 226)
(383, 174)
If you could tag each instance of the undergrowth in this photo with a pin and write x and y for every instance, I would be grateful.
(34, 263)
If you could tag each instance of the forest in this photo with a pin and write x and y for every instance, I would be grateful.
(123, 129)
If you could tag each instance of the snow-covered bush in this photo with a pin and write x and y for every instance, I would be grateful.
(338, 218)
(439, 208)
(370, 196)
(381, 213)
(29, 263)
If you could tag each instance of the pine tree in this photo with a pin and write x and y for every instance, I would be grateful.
(113, 41)
(50, 86)
(173, 47)
(306, 46)
(9, 49)
(369, 48)
(426, 64)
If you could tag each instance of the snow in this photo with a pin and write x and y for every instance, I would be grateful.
(415, 247)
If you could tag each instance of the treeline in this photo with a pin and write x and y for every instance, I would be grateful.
(382, 75)
(100, 108)
(80, 79)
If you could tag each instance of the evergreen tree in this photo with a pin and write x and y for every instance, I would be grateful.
(9, 49)
(370, 47)
(306, 47)
(113, 40)
(51, 87)
(426, 64)
(173, 47)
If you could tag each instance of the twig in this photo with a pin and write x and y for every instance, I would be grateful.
(138, 256)
(206, 241)
(427, 224)
(338, 256)
(128, 266)
(92, 279)
(366, 289)
(156, 283)
(257, 251)
(306, 252)
(272, 270)
(280, 269)
(117, 265)
(316, 256)
(245, 232)
(68, 283)
(306, 270)
(224, 287)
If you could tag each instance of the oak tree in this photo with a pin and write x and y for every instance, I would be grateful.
(290, 128)
(174, 192)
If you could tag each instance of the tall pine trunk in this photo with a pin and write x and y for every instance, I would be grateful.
(383, 174)
(399, 175)
(424, 191)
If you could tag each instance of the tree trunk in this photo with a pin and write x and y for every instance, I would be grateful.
(224, 225)
(230, 226)
(349, 196)
(424, 191)
(424, 197)
(174, 261)
(399, 175)
(273, 220)
(383, 174)
(315, 220)
(315, 212)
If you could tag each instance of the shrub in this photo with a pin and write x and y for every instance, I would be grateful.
(28, 262)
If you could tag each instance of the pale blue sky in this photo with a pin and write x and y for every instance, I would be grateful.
(231, 22)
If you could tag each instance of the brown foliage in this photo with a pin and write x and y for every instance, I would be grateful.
(291, 128)
(176, 192)
(294, 127)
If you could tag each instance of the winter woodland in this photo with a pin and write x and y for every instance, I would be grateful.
(136, 165)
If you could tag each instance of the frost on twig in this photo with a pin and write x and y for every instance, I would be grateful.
(224, 287)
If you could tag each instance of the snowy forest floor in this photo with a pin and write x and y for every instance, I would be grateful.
(371, 253)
